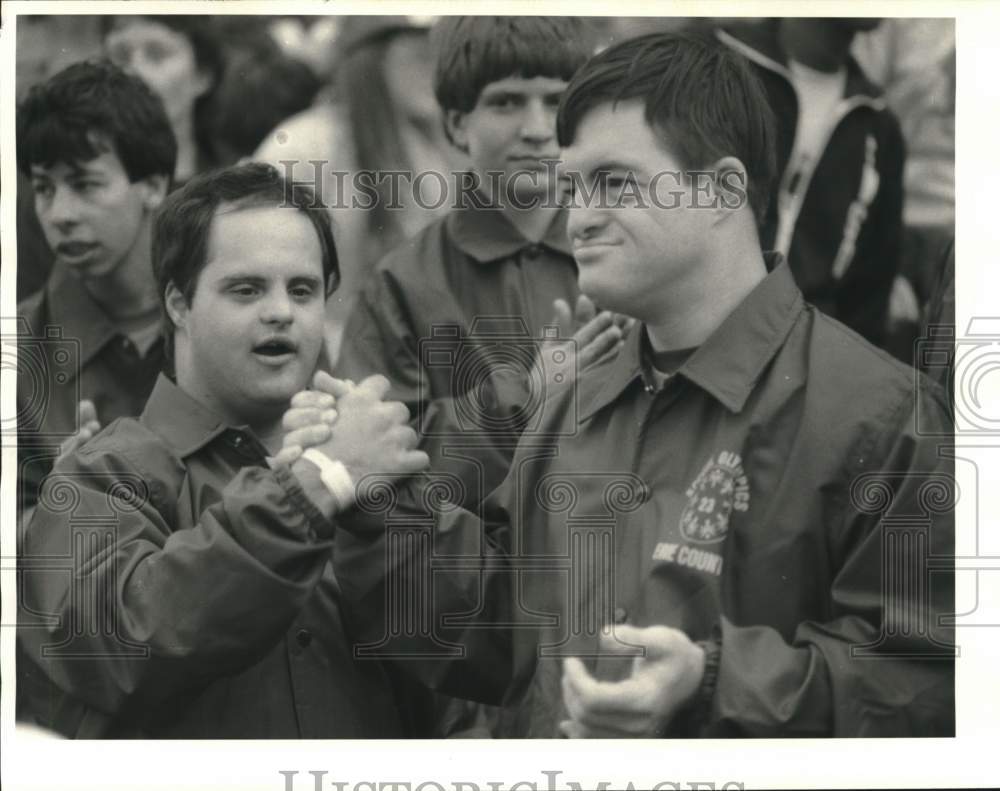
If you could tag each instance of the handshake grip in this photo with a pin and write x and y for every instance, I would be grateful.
(356, 430)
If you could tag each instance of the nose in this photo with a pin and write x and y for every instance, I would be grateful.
(539, 122)
(63, 210)
(276, 308)
(584, 217)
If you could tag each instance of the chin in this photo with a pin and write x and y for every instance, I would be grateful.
(597, 288)
(275, 394)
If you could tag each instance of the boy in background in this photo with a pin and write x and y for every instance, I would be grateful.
(98, 149)
(453, 317)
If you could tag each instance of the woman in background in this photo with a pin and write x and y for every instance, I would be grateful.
(381, 115)
(181, 59)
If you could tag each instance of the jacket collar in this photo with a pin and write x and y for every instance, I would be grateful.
(183, 422)
(759, 43)
(485, 234)
(73, 309)
(729, 363)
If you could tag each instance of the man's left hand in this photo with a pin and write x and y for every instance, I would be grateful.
(662, 681)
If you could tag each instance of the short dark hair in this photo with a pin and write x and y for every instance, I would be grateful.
(262, 87)
(701, 97)
(182, 225)
(58, 119)
(473, 51)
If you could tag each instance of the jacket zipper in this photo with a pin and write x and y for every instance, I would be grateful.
(794, 183)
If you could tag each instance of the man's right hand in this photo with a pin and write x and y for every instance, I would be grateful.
(365, 433)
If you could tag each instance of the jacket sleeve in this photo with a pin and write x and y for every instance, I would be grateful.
(882, 664)
(138, 610)
(471, 437)
(429, 585)
(863, 299)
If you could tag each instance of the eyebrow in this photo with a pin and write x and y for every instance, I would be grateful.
(75, 171)
(257, 280)
(502, 91)
(83, 170)
(634, 169)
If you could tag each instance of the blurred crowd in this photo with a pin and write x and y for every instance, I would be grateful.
(842, 133)
(356, 93)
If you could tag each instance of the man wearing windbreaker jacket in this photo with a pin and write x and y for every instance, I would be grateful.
(738, 526)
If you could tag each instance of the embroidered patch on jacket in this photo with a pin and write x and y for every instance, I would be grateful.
(720, 488)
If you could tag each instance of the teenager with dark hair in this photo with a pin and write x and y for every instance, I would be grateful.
(99, 154)
(495, 266)
(226, 619)
(707, 543)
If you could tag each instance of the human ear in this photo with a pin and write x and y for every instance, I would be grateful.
(155, 188)
(731, 185)
(455, 127)
(176, 305)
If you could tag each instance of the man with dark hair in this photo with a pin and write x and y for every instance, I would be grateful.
(98, 150)
(478, 287)
(701, 550)
(202, 601)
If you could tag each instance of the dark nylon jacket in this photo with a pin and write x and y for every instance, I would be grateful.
(742, 503)
(845, 248)
(70, 350)
(194, 594)
(453, 318)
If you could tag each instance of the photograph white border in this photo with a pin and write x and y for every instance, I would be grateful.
(970, 759)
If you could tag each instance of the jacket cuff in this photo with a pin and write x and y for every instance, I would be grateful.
(319, 527)
(705, 696)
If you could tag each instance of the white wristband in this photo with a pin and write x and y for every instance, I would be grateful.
(334, 476)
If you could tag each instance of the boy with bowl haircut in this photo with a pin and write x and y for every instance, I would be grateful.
(454, 316)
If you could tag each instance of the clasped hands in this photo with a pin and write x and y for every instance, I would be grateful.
(352, 424)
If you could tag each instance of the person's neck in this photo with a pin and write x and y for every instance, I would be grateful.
(700, 305)
(266, 427)
(532, 224)
(815, 43)
(270, 435)
(187, 149)
(128, 294)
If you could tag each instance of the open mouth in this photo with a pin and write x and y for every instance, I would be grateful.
(75, 249)
(275, 348)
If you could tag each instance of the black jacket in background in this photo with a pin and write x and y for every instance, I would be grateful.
(844, 250)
